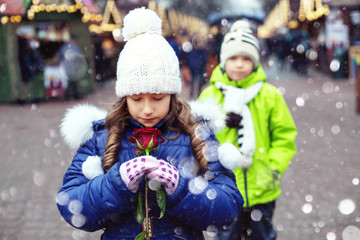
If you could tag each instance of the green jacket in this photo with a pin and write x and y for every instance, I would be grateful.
(275, 134)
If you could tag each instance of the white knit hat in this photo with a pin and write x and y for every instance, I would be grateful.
(240, 42)
(147, 63)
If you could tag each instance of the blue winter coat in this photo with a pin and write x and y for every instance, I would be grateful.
(105, 203)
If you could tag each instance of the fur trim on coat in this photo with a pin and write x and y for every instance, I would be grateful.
(76, 126)
(229, 156)
(211, 112)
(92, 167)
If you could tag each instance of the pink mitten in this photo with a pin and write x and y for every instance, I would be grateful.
(166, 175)
(132, 170)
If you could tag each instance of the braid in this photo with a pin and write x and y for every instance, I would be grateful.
(115, 123)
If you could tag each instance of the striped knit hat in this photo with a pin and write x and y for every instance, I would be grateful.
(240, 41)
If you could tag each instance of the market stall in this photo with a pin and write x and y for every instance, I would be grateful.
(32, 33)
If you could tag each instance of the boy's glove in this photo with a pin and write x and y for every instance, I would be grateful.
(167, 175)
(132, 170)
(233, 120)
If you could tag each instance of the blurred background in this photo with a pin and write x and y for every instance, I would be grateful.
(310, 50)
(323, 34)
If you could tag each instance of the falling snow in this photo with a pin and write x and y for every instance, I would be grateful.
(320, 197)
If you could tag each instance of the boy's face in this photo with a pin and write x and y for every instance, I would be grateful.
(238, 67)
(148, 109)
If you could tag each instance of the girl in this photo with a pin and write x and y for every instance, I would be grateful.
(102, 186)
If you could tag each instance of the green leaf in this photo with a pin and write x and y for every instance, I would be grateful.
(141, 236)
(161, 201)
(139, 209)
(151, 142)
(139, 145)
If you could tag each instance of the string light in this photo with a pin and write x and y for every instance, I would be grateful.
(312, 9)
(277, 18)
(39, 6)
(106, 26)
(4, 19)
(152, 5)
(308, 10)
(165, 23)
(172, 21)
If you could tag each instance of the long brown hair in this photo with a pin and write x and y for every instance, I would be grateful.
(179, 116)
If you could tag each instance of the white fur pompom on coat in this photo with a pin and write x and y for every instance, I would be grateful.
(76, 126)
(229, 156)
(92, 167)
(211, 112)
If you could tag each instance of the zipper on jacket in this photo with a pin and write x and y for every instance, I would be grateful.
(246, 190)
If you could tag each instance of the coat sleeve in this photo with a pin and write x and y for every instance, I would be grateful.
(91, 204)
(282, 135)
(209, 200)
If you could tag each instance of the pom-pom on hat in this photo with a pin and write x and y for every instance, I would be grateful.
(240, 41)
(147, 63)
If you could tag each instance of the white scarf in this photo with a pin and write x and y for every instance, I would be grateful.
(236, 100)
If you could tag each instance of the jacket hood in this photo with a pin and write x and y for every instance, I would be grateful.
(219, 75)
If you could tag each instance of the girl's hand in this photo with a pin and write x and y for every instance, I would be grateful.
(132, 170)
(167, 175)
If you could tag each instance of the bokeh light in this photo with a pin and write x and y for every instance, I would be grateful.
(346, 206)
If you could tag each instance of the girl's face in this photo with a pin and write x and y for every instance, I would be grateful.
(238, 67)
(148, 109)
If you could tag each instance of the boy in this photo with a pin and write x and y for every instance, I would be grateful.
(258, 123)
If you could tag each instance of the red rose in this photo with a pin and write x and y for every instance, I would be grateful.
(146, 139)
